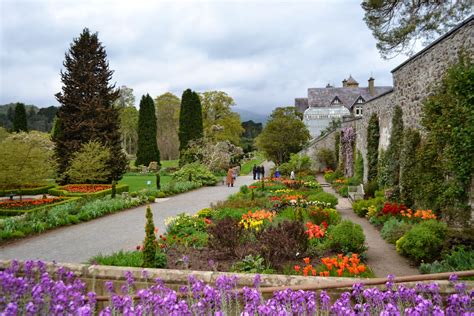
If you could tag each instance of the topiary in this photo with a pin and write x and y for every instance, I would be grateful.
(347, 237)
(394, 229)
(149, 244)
(423, 242)
(151, 199)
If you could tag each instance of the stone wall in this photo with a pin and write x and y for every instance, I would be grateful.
(327, 141)
(413, 81)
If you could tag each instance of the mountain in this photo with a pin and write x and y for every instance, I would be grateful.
(246, 115)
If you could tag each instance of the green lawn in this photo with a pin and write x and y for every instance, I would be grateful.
(247, 167)
(170, 163)
(136, 182)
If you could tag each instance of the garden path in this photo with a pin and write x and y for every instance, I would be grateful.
(382, 257)
(123, 230)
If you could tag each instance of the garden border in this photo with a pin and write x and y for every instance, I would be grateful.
(16, 212)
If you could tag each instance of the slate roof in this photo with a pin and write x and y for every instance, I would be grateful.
(322, 97)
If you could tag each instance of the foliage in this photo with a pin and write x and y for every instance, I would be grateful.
(19, 120)
(26, 158)
(251, 131)
(335, 123)
(423, 242)
(219, 121)
(89, 164)
(86, 93)
(173, 187)
(248, 165)
(147, 145)
(190, 120)
(347, 237)
(167, 115)
(119, 259)
(285, 241)
(337, 145)
(360, 207)
(323, 197)
(408, 167)
(39, 119)
(3, 134)
(359, 168)
(126, 98)
(373, 135)
(331, 176)
(297, 163)
(393, 229)
(448, 150)
(326, 158)
(397, 25)
(283, 135)
(330, 216)
(348, 137)
(251, 264)
(459, 259)
(149, 244)
(226, 235)
(195, 172)
(370, 188)
(128, 117)
(383, 173)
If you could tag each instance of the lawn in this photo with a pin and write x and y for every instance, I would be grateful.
(247, 167)
(138, 182)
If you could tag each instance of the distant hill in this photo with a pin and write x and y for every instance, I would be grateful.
(248, 115)
(40, 119)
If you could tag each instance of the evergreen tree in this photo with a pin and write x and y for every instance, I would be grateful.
(190, 119)
(87, 111)
(394, 149)
(19, 118)
(149, 244)
(147, 143)
(373, 136)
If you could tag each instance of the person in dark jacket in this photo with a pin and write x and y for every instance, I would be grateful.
(254, 172)
(262, 171)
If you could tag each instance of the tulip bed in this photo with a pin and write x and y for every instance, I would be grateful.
(36, 292)
(269, 227)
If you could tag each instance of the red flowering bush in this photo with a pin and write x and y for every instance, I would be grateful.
(27, 204)
(86, 188)
(393, 208)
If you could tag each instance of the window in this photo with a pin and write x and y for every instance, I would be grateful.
(358, 111)
(360, 100)
(336, 101)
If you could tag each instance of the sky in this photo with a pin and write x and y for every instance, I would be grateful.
(263, 53)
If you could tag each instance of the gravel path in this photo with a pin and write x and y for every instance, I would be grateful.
(382, 257)
(123, 230)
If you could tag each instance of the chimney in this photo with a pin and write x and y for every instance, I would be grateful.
(371, 86)
(344, 83)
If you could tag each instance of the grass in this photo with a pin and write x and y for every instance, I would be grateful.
(170, 163)
(248, 166)
(120, 259)
(138, 182)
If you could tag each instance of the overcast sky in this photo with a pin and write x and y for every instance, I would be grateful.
(262, 53)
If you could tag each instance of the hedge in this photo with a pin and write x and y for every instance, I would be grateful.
(60, 192)
(15, 212)
(28, 191)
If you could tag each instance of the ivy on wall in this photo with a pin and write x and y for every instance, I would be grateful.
(393, 152)
(373, 136)
(359, 168)
(348, 137)
(408, 167)
(447, 154)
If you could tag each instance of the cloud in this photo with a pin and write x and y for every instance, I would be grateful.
(262, 53)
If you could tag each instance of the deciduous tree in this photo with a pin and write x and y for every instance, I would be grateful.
(167, 116)
(89, 164)
(87, 111)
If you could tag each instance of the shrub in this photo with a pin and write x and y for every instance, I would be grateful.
(285, 241)
(195, 172)
(323, 197)
(370, 188)
(459, 259)
(394, 229)
(174, 187)
(347, 237)
(251, 264)
(234, 213)
(328, 215)
(151, 199)
(184, 224)
(120, 259)
(423, 242)
(373, 135)
(225, 236)
(333, 176)
(358, 169)
(149, 244)
(326, 158)
(161, 261)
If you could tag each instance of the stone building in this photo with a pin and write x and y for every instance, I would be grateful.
(326, 104)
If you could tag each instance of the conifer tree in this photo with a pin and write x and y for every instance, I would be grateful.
(147, 142)
(394, 149)
(190, 119)
(19, 119)
(373, 136)
(86, 99)
(149, 244)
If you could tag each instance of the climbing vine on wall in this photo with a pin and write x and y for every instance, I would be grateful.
(348, 137)
(337, 144)
(448, 117)
(393, 151)
(409, 179)
(373, 136)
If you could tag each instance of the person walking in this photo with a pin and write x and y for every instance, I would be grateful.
(258, 172)
(254, 172)
(292, 175)
(262, 171)
(230, 178)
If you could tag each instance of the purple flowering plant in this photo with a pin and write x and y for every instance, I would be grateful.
(34, 291)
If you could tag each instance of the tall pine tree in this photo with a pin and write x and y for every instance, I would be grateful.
(190, 119)
(147, 142)
(19, 119)
(87, 111)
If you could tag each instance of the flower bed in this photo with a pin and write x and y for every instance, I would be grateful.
(86, 188)
(28, 203)
(38, 292)
(89, 190)
(264, 230)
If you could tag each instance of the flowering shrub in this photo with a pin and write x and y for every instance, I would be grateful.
(256, 219)
(27, 204)
(312, 185)
(86, 188)
(39, 293)
(292, 184)
(319, 215)
(418, 215)
(315, 231)
(393, 208)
